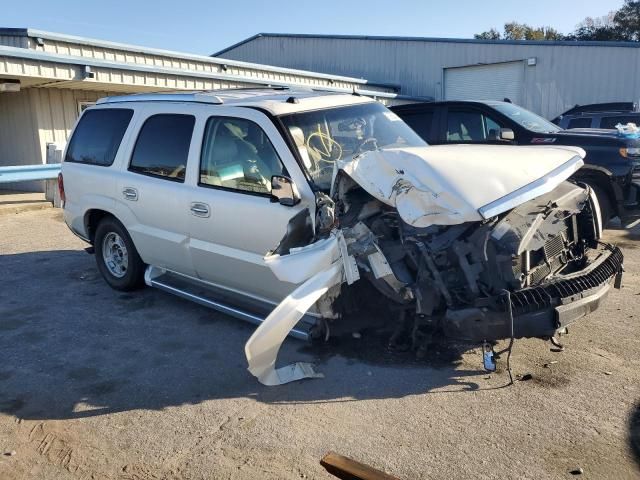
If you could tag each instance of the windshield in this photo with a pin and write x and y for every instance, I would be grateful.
(325, 136)
(527, 119)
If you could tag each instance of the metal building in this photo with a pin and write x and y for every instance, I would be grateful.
(547, 77)
(46, 79)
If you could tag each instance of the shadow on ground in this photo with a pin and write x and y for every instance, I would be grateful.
(634, 433)
(625, 238)
(72, 347)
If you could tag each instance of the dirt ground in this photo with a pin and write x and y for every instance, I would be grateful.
(97, 384)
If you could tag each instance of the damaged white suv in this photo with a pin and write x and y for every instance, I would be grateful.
(273, 204)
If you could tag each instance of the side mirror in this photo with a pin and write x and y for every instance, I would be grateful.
(507, 134)
(284, 191)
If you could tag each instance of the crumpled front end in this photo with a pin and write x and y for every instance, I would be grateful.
(525, 272)
(544, 257)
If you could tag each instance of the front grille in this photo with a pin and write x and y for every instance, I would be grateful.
(554, 247)
(544, 270)
(535, 298)
(635, 175)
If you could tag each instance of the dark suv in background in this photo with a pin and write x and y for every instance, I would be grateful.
(599, 115)
(612, 163)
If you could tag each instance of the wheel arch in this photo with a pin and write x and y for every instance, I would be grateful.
(601, 178)
(92, 218)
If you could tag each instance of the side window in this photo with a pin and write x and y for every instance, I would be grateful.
(420, 123)
(237, 155)
(611, 122)
(97, 137)
(492, 128)
(579, 123)
(464, 125)
(162, 147)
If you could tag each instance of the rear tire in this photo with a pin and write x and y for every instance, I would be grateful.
(117, 257)
(604, 201)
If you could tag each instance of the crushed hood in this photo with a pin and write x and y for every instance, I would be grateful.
(448, 185)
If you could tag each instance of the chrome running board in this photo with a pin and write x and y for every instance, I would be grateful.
(160, 279)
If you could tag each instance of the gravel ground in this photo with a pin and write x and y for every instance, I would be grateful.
(99, 384)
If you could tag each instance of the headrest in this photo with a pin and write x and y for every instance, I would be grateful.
(298, 135)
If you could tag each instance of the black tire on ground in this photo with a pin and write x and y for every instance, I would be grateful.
(117, 257)
(604, 200)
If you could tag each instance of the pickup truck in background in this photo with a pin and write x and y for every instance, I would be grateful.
(599, 115)
(612, 163)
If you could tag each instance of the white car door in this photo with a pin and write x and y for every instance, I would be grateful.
(233, 222)
(151, 192)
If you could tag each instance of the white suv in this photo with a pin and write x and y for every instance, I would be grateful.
(246, 200)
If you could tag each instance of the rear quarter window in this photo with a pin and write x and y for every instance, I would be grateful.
(98, 135)
(611, 122)
(579, 123)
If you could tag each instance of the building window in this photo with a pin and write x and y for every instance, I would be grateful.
(82, 106)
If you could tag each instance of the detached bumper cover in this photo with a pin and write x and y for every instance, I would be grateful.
(540, 311)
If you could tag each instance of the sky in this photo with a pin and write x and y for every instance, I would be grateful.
(204, 27)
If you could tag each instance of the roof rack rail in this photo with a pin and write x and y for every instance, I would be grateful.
(257, 87)
(197, 97)
(603, 107)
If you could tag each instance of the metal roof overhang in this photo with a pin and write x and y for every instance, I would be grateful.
(116, 46)
(49, 70)
(543, 43)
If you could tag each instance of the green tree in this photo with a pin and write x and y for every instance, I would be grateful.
(516, 31)
(492, 34)
(520, 31)
(603, 34)
(551, 33)
(620, 25)
(627, 20)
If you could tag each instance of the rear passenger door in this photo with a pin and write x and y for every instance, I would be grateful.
(471, 125)
(233, 222)
(151, 191)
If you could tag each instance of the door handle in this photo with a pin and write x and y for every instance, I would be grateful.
(130, 194)
(200, 209)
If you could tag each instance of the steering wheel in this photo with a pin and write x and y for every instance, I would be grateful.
(369, 141)
(328, 149)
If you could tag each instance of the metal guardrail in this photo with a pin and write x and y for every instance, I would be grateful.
(25, 173)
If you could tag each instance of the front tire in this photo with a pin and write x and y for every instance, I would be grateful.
(117, 257)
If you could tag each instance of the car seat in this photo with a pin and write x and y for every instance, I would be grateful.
(298, 137)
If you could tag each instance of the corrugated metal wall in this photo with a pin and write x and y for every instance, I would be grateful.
(19, 144)
(14, 41)
(564, 75)
(34, 117)
(56, 111)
